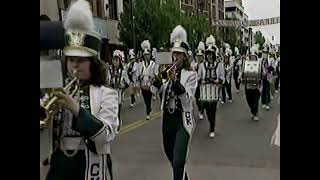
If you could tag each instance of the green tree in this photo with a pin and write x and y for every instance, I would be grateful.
(259, 38)
(151, 21)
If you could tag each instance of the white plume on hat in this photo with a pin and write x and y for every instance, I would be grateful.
(178, 34)
(146, 46)
(210, 41)
(117, 53)
(179, 39)
(255, 49)
(211, 45)
(228, 52)
(131, 53)
(236, 50)
(201, 46)
(79, 17)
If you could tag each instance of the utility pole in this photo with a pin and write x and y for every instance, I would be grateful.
(132, 24)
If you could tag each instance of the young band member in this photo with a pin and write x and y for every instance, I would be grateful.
(117, 78)
(199, 59)
(252, 90)
(177, 96)
(228, 65)
(212, 74)
(266, 78)
(133, 74)
(237, 65)
(82, 130)
(147, 76)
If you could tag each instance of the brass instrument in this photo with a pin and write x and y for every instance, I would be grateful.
(167, 70)
(46, 106)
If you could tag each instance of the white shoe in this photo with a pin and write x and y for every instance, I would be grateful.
(263, 106)
(212, 135)
(255, 118)
(222, 102)
(267, 108)
(230, 101)
(200, 116)
(131, 105)
(148, 118)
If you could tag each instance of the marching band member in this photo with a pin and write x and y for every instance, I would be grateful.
(147, 76)
(273, 63)
(252, 90)
(266, 78)
(117, 78)
(133, 74)
(278, 73)
(83, 129)
(228, 65)
(212, 75)
(177, 97)
(199, 59)
(153, 58)
(237, 64)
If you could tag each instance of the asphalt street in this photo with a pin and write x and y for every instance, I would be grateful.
(240, 151)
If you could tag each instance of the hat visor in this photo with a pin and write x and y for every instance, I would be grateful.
(179, 49)
(77, 52)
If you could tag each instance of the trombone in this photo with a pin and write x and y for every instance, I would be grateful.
(46, 104)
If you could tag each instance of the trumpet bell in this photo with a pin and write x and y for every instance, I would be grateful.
(46, 105)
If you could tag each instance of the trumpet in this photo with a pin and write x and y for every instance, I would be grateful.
(167, 70)
(46, 104)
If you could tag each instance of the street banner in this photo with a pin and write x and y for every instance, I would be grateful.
(236, 23)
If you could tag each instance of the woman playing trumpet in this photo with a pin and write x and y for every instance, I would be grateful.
(177, 90)
(84, 127)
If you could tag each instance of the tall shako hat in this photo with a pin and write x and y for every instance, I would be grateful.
(178, 39)
(146, 47)
(120, 54)
(201, 49)
(265, 47)
(211, 45)
(81, 40)
(132, 55)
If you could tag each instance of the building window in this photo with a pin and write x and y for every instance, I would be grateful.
(230, 9)
(113, 9)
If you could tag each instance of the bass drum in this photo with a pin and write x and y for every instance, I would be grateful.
(252, 71)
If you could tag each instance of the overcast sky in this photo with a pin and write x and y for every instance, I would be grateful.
(260, 9)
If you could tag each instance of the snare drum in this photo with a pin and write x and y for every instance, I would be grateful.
(209, 92)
